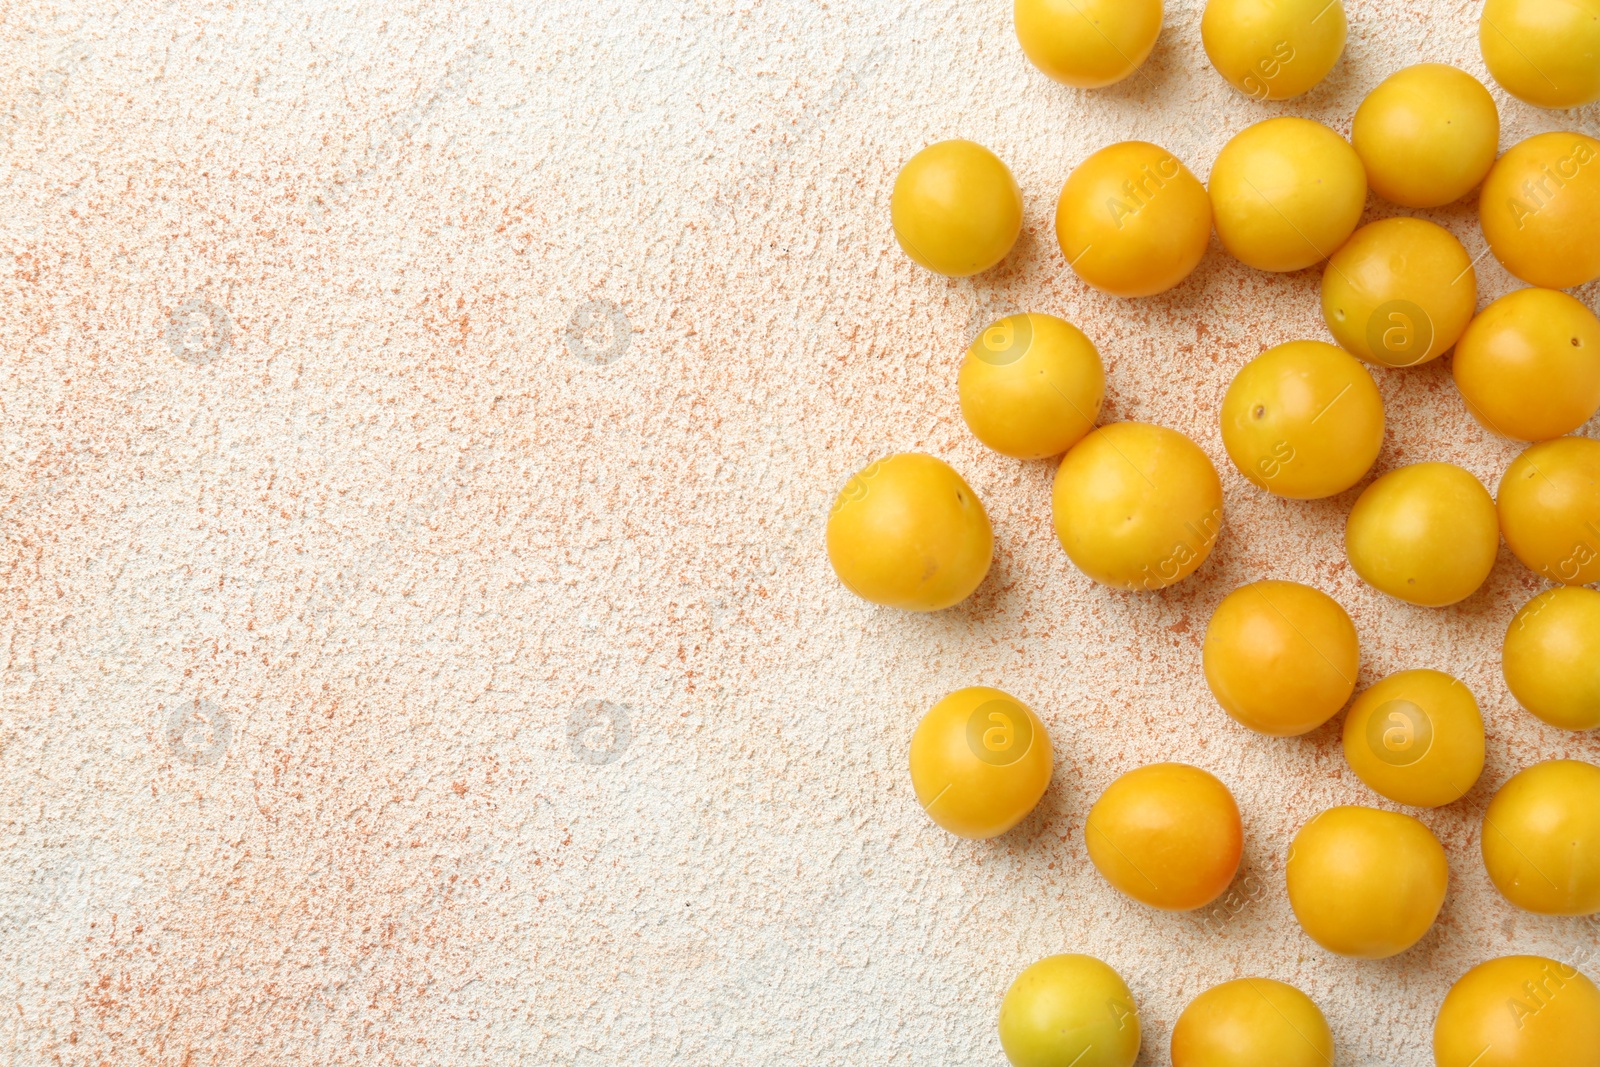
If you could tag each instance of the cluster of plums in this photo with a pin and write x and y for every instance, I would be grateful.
(1139, 507)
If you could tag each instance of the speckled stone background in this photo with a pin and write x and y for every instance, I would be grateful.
(418, 422)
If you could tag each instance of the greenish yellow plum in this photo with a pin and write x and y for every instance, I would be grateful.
(1069, 1009)
(1426, 534)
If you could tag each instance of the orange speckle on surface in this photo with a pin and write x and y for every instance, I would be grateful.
(418, 429)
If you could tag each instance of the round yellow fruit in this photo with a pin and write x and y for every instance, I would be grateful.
(1427, 135)
(956, 208)
(1132, 221)
(1400, 292)
(1273, 49)
(1286, 193)
(1426, 534)
(1168, 835)
(1280, 657)
(1366, 883)
(1551, 657)
(1087, 43)
(1543, 52)
(1519, 1011)
(1031, 386)
(1303, 420)
(1417, 738)
(1528, 366)
(1069, 1009)
(1541, 838)
(1252, 1022)
(1540, 210)
(980, 761)
(1137, 506)
(1549, 503)
(907, 532)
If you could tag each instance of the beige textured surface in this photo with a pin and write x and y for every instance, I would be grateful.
(315, 426)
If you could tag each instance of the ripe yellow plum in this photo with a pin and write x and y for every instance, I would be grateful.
(908, 532)
(1087, 43)
(1252, 1022)
(1551, 657)
(1286, 193)
(1303, 420)
(1426, 534)
(1519, 1011)
(1541, 838)
(1400, 292)
(1427, 135)
(1168, 835)
(956, 208)
(1549, 504)
(980, 761)
(1366, 883)
(1416, 737)
(1031, 386)
(1280, 657)
(1540, 210)
(1069, 1009)
(1543, 52)
(1273, 49)
(1137, 506)
(1528, 366)
(1132, 221)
